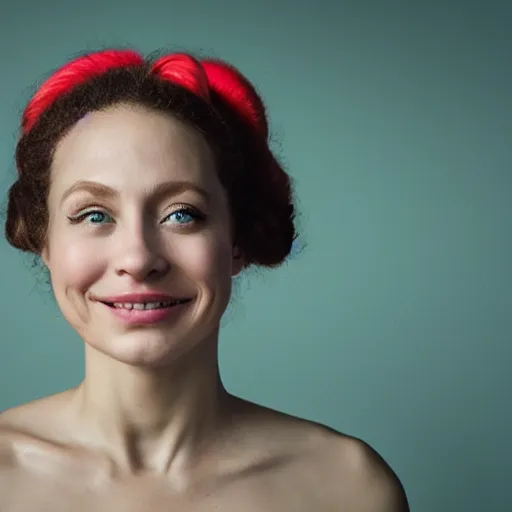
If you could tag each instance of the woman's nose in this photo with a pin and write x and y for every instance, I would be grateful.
(139, 255)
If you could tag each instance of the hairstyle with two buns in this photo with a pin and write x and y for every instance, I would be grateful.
(209, 94)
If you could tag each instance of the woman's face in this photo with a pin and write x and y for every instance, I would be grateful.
(136, 207)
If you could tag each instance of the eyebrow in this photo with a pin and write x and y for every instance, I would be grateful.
(168, 188)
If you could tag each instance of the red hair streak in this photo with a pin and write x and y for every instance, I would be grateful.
(72, 74)
(225, 80)
(236, 90)
(182, 69)
(179, 68)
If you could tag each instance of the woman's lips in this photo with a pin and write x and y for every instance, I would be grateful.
(139, 297)
(148, 316)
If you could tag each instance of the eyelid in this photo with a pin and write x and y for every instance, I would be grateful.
(184, 206)
(89, 209)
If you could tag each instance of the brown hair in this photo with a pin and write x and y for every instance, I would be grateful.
(211, 96)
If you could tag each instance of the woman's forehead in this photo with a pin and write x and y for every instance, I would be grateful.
(124, 143)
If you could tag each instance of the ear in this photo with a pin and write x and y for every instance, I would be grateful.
(238, 262)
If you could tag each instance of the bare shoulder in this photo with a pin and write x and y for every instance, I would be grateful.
(364, 479)
(374, 484)
(354, 472)
(10, 434)
(349, 470)
(9, 440)
(28, 425)
(6, 452)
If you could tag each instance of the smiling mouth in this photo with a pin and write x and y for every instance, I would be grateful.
(144, 306)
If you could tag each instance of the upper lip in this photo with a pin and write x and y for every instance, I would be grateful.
(140, 298)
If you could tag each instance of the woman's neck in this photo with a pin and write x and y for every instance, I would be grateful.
(152, 419)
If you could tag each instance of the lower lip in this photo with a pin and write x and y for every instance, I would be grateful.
(147, 316)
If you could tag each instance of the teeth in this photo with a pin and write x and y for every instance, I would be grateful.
(147, 305)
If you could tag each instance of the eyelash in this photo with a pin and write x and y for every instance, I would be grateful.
(194, 214)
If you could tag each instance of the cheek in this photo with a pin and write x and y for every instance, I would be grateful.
(206, 259)
(74, 265)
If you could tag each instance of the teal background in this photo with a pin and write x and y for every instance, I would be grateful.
(394, 323)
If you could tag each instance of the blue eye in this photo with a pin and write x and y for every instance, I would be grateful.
(183, 216)
(93, 217)
(97, 217)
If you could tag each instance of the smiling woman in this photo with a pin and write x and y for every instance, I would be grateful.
(145, 186)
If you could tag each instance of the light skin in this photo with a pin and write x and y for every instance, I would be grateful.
(146, 386)
(135, 204)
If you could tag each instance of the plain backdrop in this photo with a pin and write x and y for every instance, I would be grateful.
(393, 323)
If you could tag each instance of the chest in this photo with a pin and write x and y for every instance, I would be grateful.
(262, 493)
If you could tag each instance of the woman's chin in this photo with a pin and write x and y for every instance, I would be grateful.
(149, 349)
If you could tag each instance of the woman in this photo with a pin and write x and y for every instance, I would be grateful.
(145, 186)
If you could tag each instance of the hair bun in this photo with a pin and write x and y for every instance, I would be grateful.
(16, 230)
(238, 92)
